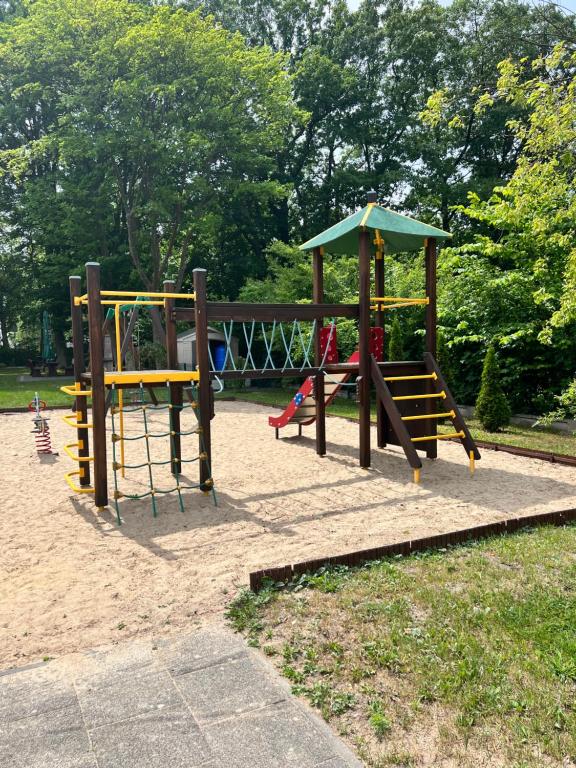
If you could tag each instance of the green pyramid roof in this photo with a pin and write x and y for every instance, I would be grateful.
(400, 233)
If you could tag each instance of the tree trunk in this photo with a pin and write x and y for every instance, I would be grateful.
(60, 347)
(3, 325)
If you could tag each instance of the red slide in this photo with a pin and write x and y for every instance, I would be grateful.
(302, 408)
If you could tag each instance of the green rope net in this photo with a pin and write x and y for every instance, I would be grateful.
(147, 435)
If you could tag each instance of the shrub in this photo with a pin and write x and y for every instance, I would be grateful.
(396, 344)
(566, 406)
(492, 407)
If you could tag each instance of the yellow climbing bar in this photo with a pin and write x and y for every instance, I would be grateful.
(77, 488)
(149, 377)
(437, 437)
(118, 303)
(75, 456)
(74, 391)
(444, 415)
(412, 378)
(76, 424)
(152, 294)
(441, 394)
(124, 296)
(382, 299)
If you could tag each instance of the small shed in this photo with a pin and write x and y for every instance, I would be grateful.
(217, 342)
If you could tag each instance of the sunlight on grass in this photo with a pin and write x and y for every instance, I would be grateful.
(523, 437)
(471, 651)
(14, 394)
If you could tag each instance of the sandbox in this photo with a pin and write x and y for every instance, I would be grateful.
(71, 578)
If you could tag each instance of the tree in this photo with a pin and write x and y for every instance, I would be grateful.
(140, 130)
(396, 343)
(516, 279)
(492, 406)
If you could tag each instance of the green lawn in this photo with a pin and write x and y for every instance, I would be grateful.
(469, 654)
(524, 437)
(13, 394)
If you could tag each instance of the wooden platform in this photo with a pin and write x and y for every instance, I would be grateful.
(146, 378)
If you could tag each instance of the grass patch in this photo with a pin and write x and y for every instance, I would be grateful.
(522, 437)
(14, 394)
(469, 653)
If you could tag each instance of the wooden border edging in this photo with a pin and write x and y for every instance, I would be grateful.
(528, 453)
(403, 548)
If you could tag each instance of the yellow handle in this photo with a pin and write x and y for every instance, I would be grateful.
(76, 488)
(75, 392)
(76, 424)
(76, 457)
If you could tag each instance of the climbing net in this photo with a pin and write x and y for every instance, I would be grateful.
(283, 346)
(148, 435)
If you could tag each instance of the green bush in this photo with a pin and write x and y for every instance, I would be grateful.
(396, 344)
(492, 407)
(566, 406)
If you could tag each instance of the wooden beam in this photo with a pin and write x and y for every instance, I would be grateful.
(431, 322)
(319, 397)
(219, 311)
(364, 346)
(97, 384)
(379, 287)
(80, 403)
(176, 393)
(204, 385)
(430, 260)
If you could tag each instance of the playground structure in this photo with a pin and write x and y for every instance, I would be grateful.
(294, 341)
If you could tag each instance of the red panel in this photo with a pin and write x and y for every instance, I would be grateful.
(328, 337)
(377, 343)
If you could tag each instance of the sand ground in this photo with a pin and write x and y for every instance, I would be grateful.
(70, 578)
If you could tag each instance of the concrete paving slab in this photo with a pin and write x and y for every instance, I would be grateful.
(191, 652)
(166, 740)
(132, 697)
(228, 689)
(50, 740)
(275, 737)
(31, 692)
(204, 700)
(114, 664)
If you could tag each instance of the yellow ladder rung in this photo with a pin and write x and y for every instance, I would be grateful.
(437, 437)
(411, 378)
(76, 424)
(75, 456)
(421, 397)
(76, 488)
(444, 415)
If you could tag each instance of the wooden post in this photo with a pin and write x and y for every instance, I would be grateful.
(176, 392)
(81, 403)
(380, 323)
(318, 298)
(430, 264)
(203, 364)
(364, 346)
(97, 384)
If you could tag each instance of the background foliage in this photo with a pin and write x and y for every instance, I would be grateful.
(160, 136)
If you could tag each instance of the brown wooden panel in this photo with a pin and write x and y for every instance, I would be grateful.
(266, 313)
